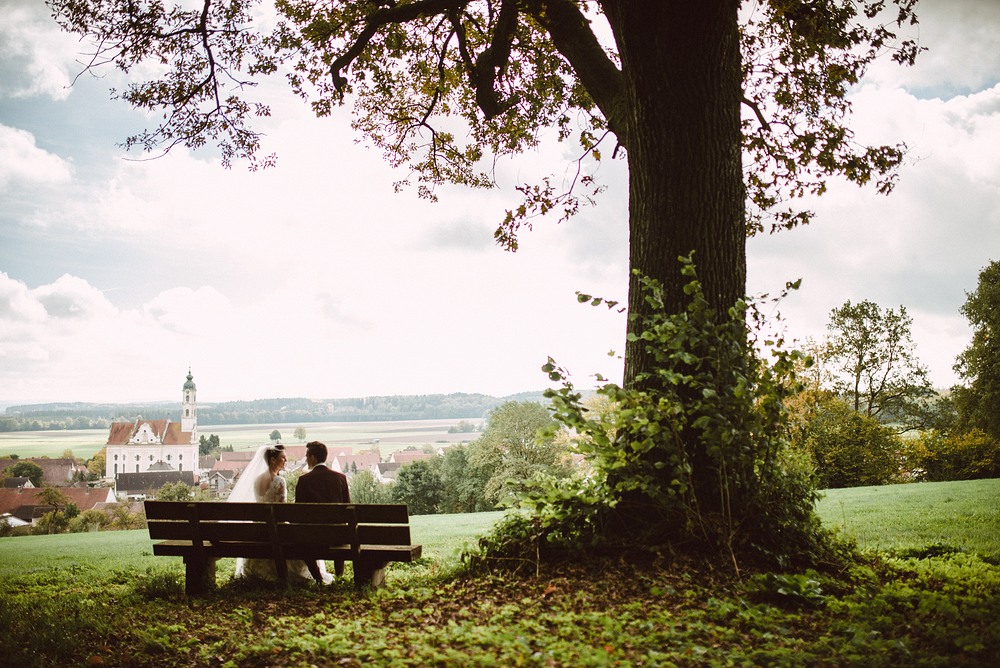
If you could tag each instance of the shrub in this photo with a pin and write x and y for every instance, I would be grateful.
(969, 455)
(850, 449)
(693, 456)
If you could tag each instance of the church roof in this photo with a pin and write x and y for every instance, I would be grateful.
(168, 432)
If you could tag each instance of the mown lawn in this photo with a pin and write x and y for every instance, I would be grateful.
(101, 599)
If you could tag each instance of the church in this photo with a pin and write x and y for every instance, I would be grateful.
(156, 445)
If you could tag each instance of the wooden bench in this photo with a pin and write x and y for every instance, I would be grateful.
(369, 535)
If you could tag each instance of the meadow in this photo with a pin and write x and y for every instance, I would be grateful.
(924, 592)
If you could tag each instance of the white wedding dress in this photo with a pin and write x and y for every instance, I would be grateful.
(276, 491)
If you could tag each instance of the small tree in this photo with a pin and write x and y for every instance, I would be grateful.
(208, 444)
(29, 470)
(97, 464)
(52, 522)
(875, 366)
(53, 496)
(419, 486)
(123, 518)
(518, 445)
(463, 484)
(366, 489)
(90, 520)
(176, 491)
(275, 436)
(300, 433)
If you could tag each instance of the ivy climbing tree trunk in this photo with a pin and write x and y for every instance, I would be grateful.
(682, 82)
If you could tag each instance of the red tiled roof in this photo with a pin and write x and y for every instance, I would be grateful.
(175, 436)
(84, 498)
(361, 461)
(234, 466)
(120, 433)
(407, 456)
(56, 472)
(241, 456)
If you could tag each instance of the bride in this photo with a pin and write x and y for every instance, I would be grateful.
(261, 482)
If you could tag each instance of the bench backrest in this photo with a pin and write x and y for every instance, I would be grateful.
(283, 523)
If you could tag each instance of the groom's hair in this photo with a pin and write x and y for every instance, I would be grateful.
(317, 450)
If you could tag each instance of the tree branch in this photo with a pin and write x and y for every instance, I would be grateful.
(383, 17)
(574, 38)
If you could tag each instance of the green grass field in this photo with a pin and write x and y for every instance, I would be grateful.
(102, 599)
(963, 515)
(443, 537)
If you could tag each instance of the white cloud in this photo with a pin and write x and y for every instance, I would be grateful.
(40, 57)
(73, 298)
(21, 161)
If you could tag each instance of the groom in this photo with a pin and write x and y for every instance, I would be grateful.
(321, 485)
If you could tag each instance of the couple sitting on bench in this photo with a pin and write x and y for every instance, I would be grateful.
(261, 482)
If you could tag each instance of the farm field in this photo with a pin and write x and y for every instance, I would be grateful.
(390, 436)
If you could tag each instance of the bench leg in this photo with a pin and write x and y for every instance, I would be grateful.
(199, 575)
(369, 574)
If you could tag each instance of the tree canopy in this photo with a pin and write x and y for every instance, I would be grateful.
(978, 402)
(875, 365)
(745, 102)
(725, 111)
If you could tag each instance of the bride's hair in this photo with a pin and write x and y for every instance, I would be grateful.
(271, 454)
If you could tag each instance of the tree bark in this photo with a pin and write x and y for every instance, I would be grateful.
(683, 85)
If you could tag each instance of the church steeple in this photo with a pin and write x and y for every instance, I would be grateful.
(189, 408)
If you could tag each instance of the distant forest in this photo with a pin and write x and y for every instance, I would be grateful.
(84, 415)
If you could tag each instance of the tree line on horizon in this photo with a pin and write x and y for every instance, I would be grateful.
(93, 415)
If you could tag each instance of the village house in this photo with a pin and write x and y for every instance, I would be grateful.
(407, 456)
(348, 464)
(140, 486)
(385, 472)
(26, 504)
(56, 472)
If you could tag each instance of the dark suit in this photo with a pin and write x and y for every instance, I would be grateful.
(323, 485)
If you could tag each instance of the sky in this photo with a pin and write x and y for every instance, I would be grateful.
(315, 279)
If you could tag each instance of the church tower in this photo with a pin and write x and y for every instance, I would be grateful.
(189, 408)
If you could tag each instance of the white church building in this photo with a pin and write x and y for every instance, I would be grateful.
(156, 445)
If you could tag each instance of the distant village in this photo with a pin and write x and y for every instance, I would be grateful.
(144, 457)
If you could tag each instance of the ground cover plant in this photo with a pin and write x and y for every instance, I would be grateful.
(103, 599)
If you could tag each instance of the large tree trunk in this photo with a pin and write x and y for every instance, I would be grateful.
(682, 70)
(681, 65)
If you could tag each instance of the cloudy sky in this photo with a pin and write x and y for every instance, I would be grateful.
(315, 279)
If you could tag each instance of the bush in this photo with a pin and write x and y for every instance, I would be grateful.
(850, 449)
(970, 455)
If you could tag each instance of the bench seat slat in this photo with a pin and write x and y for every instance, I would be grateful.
(185, 548)
(322, 534)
